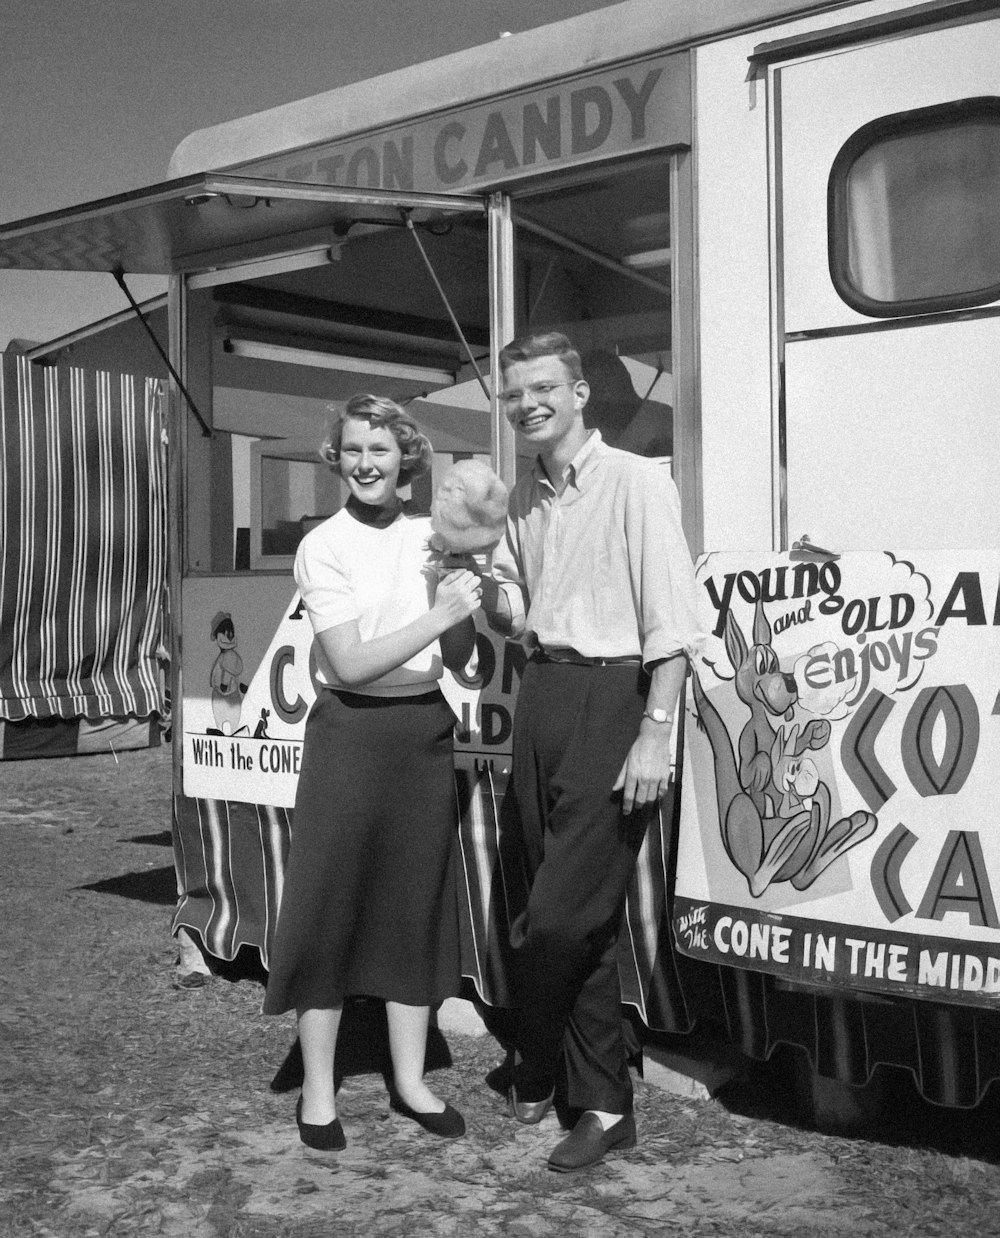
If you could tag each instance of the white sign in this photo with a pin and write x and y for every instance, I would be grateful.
(839, 816)
(248, 686)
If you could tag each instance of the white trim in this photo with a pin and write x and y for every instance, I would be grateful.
(40, 351)
(266, 266)
(336, 361)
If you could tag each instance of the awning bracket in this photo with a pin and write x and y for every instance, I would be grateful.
(447, 304)
(119, 275)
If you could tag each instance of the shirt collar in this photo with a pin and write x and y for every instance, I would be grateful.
(578, 468)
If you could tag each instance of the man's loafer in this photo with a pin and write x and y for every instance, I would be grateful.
(587, 1142)
(530, 1112)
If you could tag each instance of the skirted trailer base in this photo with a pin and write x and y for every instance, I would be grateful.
(230, 858)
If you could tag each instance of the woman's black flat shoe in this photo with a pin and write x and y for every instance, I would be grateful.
(328, 1138)
(449, 1124)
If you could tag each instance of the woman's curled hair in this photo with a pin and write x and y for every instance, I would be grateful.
(378, 410)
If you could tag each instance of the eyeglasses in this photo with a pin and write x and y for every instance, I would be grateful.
(539, 392)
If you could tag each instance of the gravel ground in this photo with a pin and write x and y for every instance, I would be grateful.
(133, 1107)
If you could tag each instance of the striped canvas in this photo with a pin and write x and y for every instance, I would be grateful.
(83, 563)
(230, 861)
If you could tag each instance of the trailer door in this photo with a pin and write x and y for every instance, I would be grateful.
(887, 225)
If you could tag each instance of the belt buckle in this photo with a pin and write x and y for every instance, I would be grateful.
(563, 657)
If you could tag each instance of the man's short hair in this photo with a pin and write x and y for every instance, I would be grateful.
(542, 344)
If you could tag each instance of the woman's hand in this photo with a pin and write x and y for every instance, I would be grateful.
(459, 595)
(356, 662)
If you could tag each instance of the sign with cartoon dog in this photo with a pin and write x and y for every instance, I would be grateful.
(249, 680)
(839, 821)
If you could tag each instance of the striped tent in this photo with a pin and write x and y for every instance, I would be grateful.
(83, 563)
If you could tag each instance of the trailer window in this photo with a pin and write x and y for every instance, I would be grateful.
(593, 260)
(914, 211)
(291, 490)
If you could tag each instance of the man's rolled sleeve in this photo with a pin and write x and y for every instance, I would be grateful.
(661, 569)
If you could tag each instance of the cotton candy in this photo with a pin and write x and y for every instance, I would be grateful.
(469, 510)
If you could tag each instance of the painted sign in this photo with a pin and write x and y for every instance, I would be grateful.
(248, 685)
(250, 679)
(840, 821)
(483, 699)
(626, 110)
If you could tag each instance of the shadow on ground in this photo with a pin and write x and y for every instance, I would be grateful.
(150, 885)
(889, 1109)
(362, 1048)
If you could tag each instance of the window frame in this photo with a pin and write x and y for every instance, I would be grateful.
(915, 121)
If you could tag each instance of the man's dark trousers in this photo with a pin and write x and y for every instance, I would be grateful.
(573, 728)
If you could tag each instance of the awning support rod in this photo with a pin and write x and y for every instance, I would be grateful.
(447, 304)
(119, 275)
(595, 255)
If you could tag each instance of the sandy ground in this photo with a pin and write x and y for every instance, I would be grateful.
(132, 1106)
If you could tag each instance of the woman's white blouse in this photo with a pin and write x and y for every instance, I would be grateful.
(383, 578)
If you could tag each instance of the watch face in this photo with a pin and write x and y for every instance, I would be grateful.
(658, 715)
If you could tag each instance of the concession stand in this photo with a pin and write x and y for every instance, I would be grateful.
(700, 197)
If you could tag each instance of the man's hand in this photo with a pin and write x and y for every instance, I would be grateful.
(497, 609)
(646, 773)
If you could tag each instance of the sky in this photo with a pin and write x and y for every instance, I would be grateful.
(96, 94)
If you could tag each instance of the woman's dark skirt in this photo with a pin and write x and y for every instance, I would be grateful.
(369, 905)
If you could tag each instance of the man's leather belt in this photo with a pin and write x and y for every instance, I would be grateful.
(573, 658)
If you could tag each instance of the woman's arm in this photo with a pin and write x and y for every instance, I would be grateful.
(356, 662)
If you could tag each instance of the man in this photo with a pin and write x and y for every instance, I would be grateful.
(594, 574)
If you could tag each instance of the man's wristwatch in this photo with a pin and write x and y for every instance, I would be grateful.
(657, 715)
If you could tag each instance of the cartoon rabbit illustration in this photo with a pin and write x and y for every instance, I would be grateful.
(774, 809)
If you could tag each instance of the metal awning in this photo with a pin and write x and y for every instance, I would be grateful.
(201, 222)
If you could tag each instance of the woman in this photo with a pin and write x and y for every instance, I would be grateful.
(369, 902)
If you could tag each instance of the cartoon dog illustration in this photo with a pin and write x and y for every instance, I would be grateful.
(774, 809)
(225, 678)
